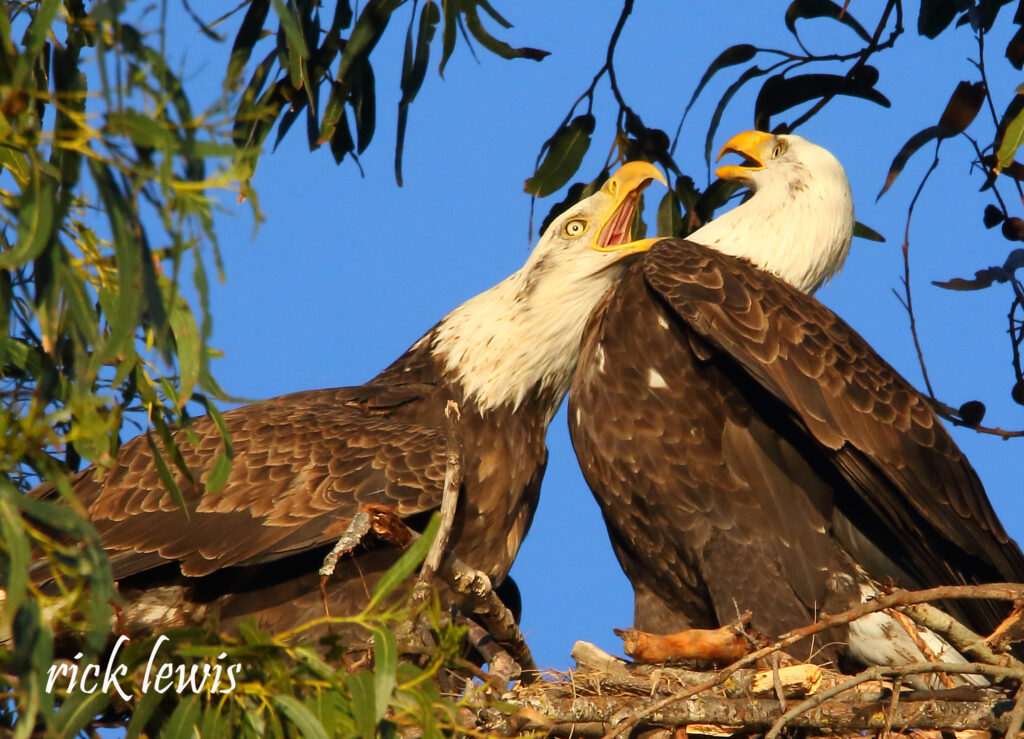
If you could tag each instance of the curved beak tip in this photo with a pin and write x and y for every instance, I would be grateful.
(632, 174)
(746, 144)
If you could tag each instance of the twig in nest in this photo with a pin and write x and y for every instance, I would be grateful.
(894, 701)
(969, 644)
(1016, 715)
(879, 672)
(995, 591)
(915, 636)
(503, 669)
(1010, 630)
(449, 498)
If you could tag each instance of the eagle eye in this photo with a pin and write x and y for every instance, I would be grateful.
(575, 227)
(779, 150)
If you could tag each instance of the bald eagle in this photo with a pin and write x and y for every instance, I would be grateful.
(749, 450)
(305, 463)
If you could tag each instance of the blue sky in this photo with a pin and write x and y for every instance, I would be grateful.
(348, 271)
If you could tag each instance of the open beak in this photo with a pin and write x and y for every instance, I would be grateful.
(754, 146)
(625, 187)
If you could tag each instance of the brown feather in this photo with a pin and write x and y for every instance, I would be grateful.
(745, 444)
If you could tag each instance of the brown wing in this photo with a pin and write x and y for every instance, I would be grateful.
(303, 465)
(886, 441)
(710, 510)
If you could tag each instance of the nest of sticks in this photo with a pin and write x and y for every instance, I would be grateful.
(766, 692)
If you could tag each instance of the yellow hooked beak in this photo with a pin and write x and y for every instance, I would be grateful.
(756, 146)
(625, 187)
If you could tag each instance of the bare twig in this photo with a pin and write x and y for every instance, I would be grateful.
(450, 496)
(1009, 631)
(969, 644)
(503, 668)
(908, 300)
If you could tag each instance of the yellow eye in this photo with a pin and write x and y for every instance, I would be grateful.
(574, 228)
(779, 150)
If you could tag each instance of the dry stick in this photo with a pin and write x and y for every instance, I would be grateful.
(877, 673)
(503, 668)
(969, 644)
(566, 712)
(449, 498)
(995, 591)
(894, 701)
(1009, 631)
(915, 636)
(1016, 715)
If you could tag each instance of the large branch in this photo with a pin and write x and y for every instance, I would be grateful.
(601, 714)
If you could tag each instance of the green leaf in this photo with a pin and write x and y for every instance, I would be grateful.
(19, 556)
(406, 564)
(15, 162)
(564, 154)
(1011, 132)
(822, 9)
(367, 32)
(861, 231)
(342, 142)
(489, 9)
(451, 21)
(129, 265)
(143, 710)
(296, 43)
(492, 44)
(414, 70)
(385, 665)
(35, 221)
(670, 216)
(915, 142)
(360, 686)
(297, 713)
(141, 129)
(248, 111)
(218, 474)
(364, 103)
(164, 473)
(42, 22)
(182, 723)
(186, 337)
(78, 710)
(248, 34)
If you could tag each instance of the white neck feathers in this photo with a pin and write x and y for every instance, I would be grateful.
(520, 338)
(794, 225)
